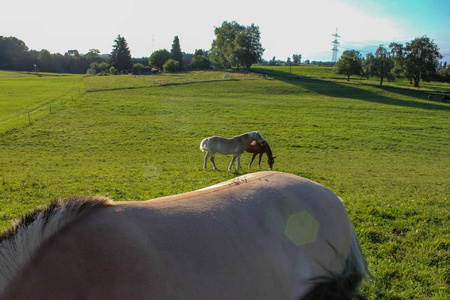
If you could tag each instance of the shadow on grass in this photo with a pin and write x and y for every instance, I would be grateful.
(354, 90)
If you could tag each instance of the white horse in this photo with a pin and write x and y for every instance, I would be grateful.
(265, 235)
(226, 76)
(235, 146)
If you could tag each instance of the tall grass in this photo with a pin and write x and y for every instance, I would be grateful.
(385, 151)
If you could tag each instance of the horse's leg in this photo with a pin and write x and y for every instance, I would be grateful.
(239, 162)
(206, 159)
(253, 157)
(232, 163)
(259, 163)
(212, 160)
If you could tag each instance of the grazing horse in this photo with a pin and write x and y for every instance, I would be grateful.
(265, 235)
(256, 149)
(235, 146)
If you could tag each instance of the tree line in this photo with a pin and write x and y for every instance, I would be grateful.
(235, 46)
(416, 60)
(15, 55)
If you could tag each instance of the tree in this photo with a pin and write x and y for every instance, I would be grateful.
(14, 55)
(398, 57)
(200, 61)
(121, 56)
(45, 61)
(349, 64)
(222, 47)
(417, 60)
(248, 49)
(422, 58)
(379, 65)
(159, 58)
(236, 45)
(175, 53)
(171, 66)
(297, 58)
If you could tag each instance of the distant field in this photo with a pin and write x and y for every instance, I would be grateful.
(312, 71)
(385, 151)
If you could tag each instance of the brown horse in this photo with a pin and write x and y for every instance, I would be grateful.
(266, 235)
(260, 149)
(235, 146)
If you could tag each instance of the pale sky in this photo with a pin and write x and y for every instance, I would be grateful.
(287, 27)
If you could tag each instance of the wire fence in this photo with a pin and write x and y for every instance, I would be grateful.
(35, 113)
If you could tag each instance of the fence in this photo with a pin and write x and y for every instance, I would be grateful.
(28, 117)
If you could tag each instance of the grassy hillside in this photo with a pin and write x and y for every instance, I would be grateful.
(385, 151)
(437, 89)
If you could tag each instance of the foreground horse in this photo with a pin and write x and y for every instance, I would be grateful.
(266, 235)
(235, 146)
(256, 149)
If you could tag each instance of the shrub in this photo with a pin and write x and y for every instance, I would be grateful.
(200, 62)
(171, 66)
(136, 68)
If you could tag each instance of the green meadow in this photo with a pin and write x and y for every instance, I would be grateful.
(384, 150)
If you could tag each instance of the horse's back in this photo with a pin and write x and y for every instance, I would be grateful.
(263, 235)
(254, 147)
(220, 144)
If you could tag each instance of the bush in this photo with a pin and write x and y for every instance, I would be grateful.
(136, 68)
(98, 68)
(200, 62)
(171, 66)
(443, 75)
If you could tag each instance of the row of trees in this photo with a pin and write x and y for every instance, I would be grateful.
(235, 46)
(15, 55)
(417, 60)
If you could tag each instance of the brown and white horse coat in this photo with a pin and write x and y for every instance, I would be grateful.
(235, 145)
(265, 235)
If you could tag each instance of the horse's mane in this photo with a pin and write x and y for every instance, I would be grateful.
(267, 150)
(20, 242)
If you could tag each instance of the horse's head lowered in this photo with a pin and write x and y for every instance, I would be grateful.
(270, 158)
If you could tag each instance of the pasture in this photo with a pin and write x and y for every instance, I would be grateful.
(385, 151)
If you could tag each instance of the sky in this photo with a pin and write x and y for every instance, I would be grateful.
(287, 27)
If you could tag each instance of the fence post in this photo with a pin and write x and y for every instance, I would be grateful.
(29, 120)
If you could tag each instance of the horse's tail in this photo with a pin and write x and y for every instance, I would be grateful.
(204, 145)
(345, 285)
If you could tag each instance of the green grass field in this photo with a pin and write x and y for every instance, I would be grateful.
(384, 150)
